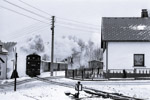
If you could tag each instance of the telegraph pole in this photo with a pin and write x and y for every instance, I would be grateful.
(52, 46)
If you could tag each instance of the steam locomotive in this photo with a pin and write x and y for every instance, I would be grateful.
(33, 62)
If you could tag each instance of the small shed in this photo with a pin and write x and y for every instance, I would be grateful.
(3, 62)
(95, 64)
(57, 66)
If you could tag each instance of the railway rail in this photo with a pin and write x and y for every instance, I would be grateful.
(19, 82)
(115, 96)
(9, 84)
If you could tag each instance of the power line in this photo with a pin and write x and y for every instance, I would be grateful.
(74, 28)
(87, 24)
(35, 7)
(77, 22)
(27, 10)
(81, 26)
(32, 11)
(22, 14)
(26, 31)
(40, 20)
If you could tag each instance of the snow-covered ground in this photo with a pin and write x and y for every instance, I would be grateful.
(41, 91)
(134, 88)
(37, 90)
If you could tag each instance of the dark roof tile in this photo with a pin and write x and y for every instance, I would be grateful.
(125, 29)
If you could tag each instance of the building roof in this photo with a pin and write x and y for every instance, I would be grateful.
(3, 51)
(125, 29)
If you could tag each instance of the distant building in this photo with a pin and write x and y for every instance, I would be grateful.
(126, 43)
(57, 66)
(3, 62)
(95, 64)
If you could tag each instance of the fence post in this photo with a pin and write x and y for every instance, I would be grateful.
(76, 73)
(66, 73)
(92, 70)
(73, 74)
(82, 74)
(98, 72)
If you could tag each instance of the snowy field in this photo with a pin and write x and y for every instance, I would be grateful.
(37, 90)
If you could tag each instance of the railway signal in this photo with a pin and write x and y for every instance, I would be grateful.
(78, 87)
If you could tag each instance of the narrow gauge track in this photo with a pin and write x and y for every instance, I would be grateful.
(115, 96)
(9, 84)
(19, 82)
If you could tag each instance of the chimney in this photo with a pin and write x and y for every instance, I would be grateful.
(144, 13)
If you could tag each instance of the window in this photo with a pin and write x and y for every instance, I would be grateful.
(138, 59)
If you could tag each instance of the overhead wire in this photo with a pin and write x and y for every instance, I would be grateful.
(74, 28)
(62, 24)
(31, 30)
(29, 33)
(35, 7)
(80, 26)
(41, 11)
(73, 21)
(40, 20)
(27, 10)
(87, 24)
(23, 14)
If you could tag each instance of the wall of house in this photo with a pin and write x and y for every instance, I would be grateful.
(121, 54)
(3, 67)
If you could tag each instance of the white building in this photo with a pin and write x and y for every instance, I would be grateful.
(3, 63)
(126, 43)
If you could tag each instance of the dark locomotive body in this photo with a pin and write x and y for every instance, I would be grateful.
(33, 62)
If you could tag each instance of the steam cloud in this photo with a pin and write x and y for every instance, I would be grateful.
(63, 47)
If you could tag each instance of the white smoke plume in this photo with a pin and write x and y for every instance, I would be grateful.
(63, 48)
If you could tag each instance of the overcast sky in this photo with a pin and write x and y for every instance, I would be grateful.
(14, 27)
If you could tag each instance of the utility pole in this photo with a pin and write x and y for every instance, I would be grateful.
(52, 46)
(15, 72)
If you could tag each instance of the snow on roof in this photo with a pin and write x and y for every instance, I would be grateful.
(138, 27)
(4, 51)
(125, 29)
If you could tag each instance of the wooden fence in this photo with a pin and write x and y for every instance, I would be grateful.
(86, 73)
(127, 73)
(90, 73)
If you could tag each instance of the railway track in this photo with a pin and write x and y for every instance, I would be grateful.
(114, 96)
(19, 82)
(9, 84)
